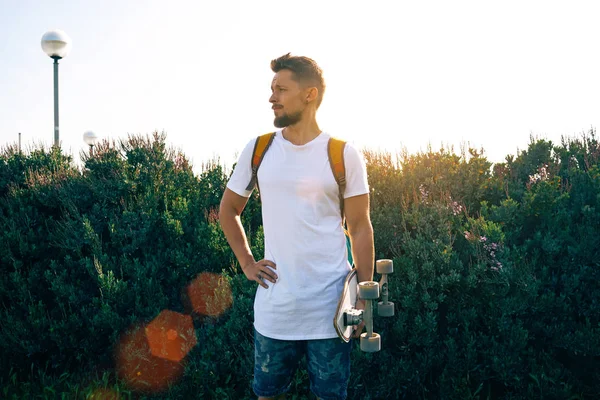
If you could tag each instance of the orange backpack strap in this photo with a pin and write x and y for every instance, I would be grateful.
(335, 152)
(260, 148)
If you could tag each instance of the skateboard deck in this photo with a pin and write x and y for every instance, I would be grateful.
(346, 302)
(347, 316)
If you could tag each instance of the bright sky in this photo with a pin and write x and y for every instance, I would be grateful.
(399, 74)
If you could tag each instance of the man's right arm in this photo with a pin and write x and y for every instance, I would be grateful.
(232, 205)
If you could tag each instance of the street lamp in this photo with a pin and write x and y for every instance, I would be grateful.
(90, 138)
(57, 45)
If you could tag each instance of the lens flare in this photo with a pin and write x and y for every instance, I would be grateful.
(208, 294)
(138, 366)
(171, 335)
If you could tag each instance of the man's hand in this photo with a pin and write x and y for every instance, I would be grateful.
(259, 271)
(360, 305)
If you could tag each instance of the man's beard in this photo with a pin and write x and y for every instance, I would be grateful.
(287, 120)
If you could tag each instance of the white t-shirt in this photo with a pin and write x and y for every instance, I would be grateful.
(303, 234)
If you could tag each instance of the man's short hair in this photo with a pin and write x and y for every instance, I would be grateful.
(305, 71)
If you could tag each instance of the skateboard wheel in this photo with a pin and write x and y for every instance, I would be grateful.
(370, 344)
(385, 309)
(384, 266)
(368, 290)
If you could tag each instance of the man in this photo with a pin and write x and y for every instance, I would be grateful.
(305, 263)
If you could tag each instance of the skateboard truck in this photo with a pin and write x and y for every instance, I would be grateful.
(385, 308)
(369, 291)
(369, 341)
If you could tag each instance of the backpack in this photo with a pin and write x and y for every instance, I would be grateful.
(335, 153)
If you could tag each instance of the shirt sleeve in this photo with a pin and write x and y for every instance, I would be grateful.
(356, 172)
(242, 173)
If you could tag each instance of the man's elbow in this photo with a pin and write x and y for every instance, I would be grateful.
(362, 227)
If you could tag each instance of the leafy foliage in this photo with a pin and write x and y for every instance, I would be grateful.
(496, 279)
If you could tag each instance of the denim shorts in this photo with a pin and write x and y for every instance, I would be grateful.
(276, 361)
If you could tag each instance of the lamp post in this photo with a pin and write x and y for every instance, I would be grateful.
(56, 44)
(90, 138)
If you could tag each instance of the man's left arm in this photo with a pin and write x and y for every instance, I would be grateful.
(361, 239)
(361, 235)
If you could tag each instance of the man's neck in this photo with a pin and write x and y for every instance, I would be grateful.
(302, 132)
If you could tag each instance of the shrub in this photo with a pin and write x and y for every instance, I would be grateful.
(495, 283)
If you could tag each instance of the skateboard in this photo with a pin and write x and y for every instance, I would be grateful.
(347, 316)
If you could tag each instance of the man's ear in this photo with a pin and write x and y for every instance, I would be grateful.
(311, 94)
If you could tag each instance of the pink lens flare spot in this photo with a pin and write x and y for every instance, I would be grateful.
(209, 294)
(171, 335)
(146, 360)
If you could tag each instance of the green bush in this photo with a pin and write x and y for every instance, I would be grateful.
(495, 283)
(87, 253)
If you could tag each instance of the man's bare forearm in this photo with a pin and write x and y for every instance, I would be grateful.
(236, 236)
(363, 251)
